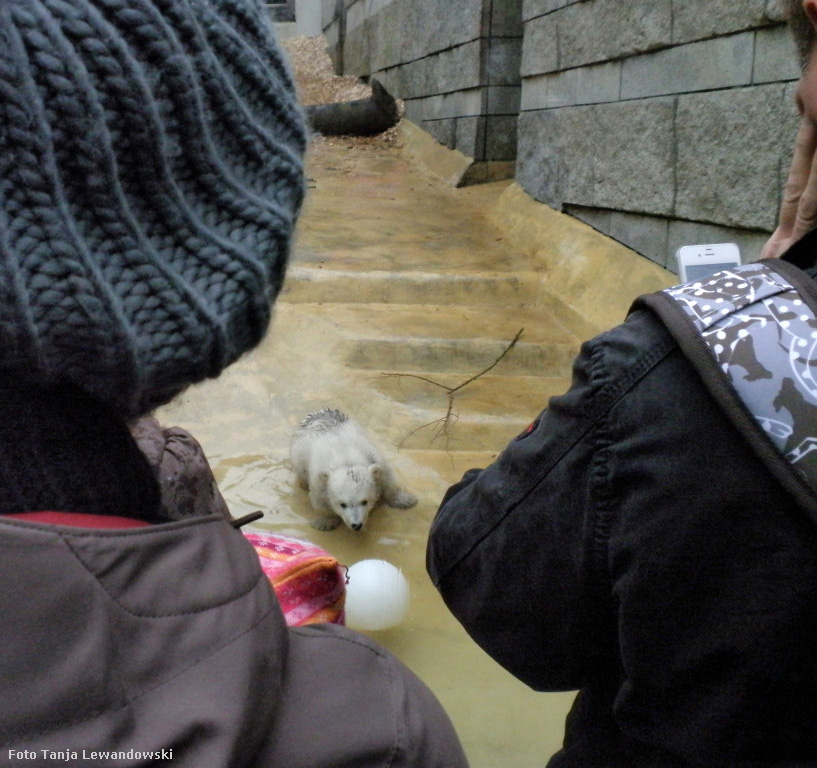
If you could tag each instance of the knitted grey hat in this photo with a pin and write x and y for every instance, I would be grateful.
(150, 176)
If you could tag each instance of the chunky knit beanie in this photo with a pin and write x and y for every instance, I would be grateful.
(150, 176)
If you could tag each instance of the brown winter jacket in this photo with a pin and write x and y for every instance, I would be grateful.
(118, 644)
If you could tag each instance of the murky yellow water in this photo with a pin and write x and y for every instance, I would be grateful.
(245, 419)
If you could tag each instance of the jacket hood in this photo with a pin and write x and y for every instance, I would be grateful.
(136, 641)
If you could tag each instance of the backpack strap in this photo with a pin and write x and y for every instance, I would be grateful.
(751, 334)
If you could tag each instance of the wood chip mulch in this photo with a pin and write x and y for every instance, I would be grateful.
(317, 83)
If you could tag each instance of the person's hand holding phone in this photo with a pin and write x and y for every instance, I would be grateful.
(798, 211)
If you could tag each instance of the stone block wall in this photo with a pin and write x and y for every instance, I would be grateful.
(659, 122)
(455, 63)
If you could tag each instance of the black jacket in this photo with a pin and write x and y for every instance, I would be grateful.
(632, 546)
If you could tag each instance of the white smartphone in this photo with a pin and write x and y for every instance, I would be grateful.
(698, 261)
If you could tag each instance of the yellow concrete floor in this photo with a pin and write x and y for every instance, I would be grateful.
(395, 273)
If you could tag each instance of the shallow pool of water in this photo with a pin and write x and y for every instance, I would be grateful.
(244, 421)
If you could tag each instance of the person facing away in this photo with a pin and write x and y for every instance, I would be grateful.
(632, 544)
(151, 172)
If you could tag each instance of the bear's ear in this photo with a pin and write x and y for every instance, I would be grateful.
(374, 471)
(323, 479)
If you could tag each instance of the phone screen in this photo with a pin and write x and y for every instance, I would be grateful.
(699, 271)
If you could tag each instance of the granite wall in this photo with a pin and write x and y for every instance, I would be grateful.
(659, 122)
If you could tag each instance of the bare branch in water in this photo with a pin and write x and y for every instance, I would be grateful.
(444, 423)
(491, 366)
(385, 375)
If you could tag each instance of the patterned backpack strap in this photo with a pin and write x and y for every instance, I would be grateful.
(751, 334)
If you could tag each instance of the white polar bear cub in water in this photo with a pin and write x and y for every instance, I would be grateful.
(342, 470)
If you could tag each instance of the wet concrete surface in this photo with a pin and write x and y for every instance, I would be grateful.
(399, 287)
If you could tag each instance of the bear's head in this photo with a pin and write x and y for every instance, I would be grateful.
(352, 492)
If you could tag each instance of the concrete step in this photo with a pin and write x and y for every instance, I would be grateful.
(474, 423)
(365, 218)
(444, 320)
(435, 253)
(463, 432)
(451, 466)
(431, 427)
(450, 338)
(466, 356)
(310, 284)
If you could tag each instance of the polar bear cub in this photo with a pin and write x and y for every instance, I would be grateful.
(345, 474)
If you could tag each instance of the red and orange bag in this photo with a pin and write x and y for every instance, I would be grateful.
(308, 581)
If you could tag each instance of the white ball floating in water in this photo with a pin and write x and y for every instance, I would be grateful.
(377, 595)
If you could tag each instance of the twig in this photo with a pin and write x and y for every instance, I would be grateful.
(491, 366)
(420, 429)
(413, 376)
(445, 421)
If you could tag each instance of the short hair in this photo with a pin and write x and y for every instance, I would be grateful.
(801, 28)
